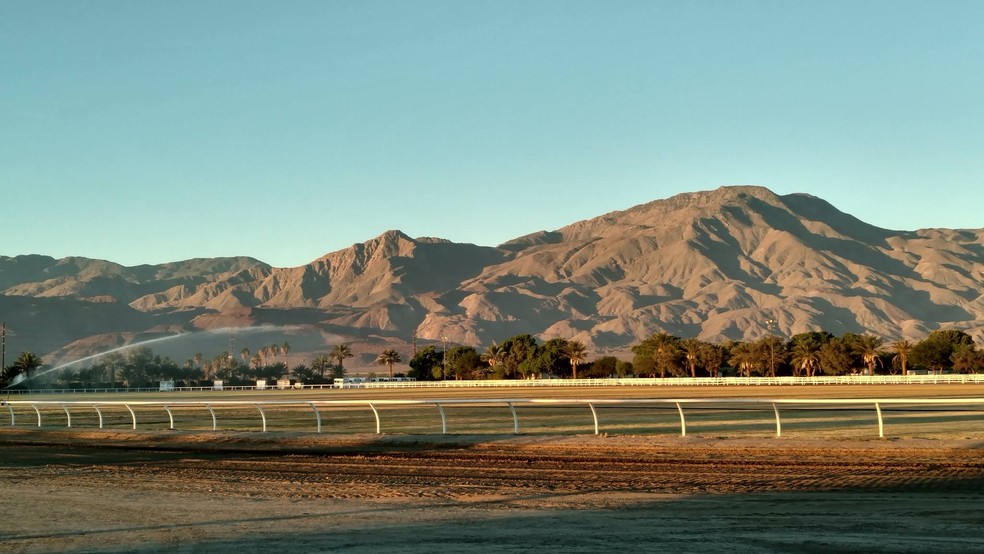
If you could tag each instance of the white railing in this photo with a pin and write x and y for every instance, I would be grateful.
(970, 378)
(947, 379)
(737, 404)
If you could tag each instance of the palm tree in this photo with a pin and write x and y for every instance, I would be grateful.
(340, 352)
(771, 349)
(285, 349)
(244, 353)
(664, 352)
(868, 347)
(711, 357)
(25, 364)
(902, 349)
(806, 357)
(744, 357)
(388, 358)
(264, 352)
(576, 352)
(691, 351)
(198, 359)
(492, 355)
(321, 363)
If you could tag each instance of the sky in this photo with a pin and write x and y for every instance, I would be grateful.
(145, 132)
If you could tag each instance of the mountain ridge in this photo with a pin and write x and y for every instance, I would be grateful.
(717, 265)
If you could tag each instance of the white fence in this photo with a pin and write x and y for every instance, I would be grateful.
(775, 405)
(948, 379)
(970, 378)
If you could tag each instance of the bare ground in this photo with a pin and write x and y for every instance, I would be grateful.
(125, 491)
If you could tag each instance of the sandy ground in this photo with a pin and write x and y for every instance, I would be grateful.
(125, 491)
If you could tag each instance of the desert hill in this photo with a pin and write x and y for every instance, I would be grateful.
(736, 262)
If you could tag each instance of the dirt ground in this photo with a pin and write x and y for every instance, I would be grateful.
(126, 491)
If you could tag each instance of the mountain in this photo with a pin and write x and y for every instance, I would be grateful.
(733, 263)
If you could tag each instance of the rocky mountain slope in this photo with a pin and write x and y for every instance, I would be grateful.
(736, 263)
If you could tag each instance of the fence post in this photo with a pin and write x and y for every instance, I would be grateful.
(444, 419)
(594, 414)
(215, 423)
(99, 412)
(68, 415)
(13, 421)
(37, 411)
(170, 416)
(262, 415)
(375, 413)
(133, 416)
(511, 408)
(775, 408)
(881, 424)
(317, 415)
(683, 421)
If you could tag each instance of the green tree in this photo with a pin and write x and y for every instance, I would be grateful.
(115, 361)
(711, 358)
(576, 353)
(604, 366)
(624, 368)
(26, 364)
(936, 350)
(518, 351)
(304, 373)
(658, 353)
(464, 362)
(771, 352)
(424, 362)
(691, 353)
(869, 348)
(492, 356)
(836, 358)
(341, 352)
(902, 349)
(321, 363)
(805, 356)
(388, 358)
(966, 359)
(744, 358)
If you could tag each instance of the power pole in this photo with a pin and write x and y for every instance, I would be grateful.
(3, 340)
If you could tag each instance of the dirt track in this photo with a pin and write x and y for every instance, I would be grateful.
(99, 491)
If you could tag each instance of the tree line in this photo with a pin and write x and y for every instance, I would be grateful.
(523, 356)
(663, 355)
(139, 367)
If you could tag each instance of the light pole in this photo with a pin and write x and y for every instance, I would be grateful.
(772, 346)
(444, 360)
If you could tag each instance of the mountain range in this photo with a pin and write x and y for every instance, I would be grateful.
(732, 263)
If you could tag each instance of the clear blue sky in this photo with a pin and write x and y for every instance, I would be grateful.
(146, 132)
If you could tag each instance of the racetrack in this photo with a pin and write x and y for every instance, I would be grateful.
(107, 492)
(118, 490)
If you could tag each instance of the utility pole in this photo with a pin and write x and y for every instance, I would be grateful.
(3, 340)
(444, 361)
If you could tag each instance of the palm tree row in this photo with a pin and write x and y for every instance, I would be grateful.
(807, 354)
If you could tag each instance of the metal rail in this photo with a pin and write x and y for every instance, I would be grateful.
(317, 406)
